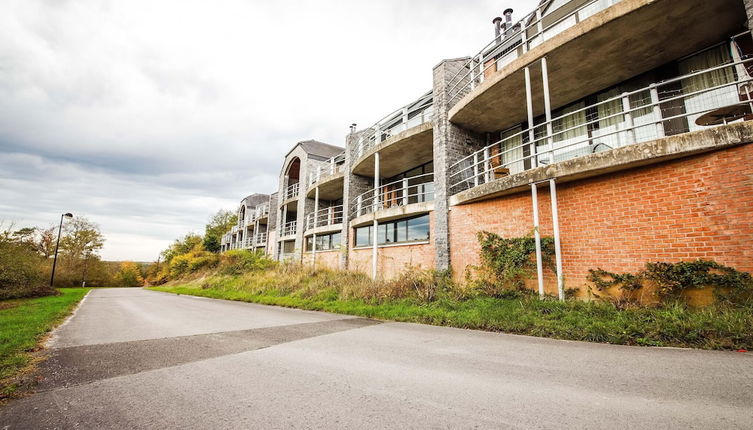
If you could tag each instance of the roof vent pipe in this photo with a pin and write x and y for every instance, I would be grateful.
(508, 18)
(497, 26)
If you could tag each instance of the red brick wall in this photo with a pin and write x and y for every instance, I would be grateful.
(324, 259)
(393, 260)
(695, 207)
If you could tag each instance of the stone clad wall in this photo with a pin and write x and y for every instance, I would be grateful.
(695, 207)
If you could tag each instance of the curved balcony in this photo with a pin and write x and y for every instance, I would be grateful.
(395, 199)
(288, 230)
(262, 211)
(291, 191)
(260, 239)
(325, 220)
(712, 97)
(329, 177)
(403, 138)
(588, 47)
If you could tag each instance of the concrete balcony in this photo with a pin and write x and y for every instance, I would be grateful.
(325, 220)
(403, 139)
(292, 191)
(645, 126)
(395, 199)
(588, 48)
(260, 239)
(288, 230)
(329, 178)
(262, 211)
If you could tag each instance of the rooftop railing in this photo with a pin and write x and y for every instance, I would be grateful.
(416, 189)
(709, 97)
(292, 190)
(323, 217)
(407, 117)
(288, 229)
(530, 31)
(329, 168)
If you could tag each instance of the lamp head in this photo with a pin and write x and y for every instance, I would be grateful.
(68, 215)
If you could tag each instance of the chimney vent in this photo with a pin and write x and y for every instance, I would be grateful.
(352, 128)
(497, 26)
(508, 18)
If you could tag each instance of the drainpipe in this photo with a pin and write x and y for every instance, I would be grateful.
(375, 224)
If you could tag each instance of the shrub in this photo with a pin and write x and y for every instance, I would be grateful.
(672, 279)
(22, 271)
(237, 262)
(507, 262)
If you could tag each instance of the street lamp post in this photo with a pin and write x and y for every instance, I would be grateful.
(57, 245)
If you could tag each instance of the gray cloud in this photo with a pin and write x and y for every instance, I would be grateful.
(147, 116)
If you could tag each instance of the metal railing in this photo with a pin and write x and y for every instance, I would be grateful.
(292, 190)
(527, 33)
(709, 97)
(248, 242)
(329, 168)
(261, 238)
(288, 229)
(327, 216)
(261, 211)
(407, 117)
(416, 189)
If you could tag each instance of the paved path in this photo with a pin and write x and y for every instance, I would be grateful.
(131, 358)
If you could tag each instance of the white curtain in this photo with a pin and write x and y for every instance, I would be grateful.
(570, 132)
(512, 157)
(713, 99)
(611, 120)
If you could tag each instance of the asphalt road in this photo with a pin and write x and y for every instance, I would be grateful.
(131, 358)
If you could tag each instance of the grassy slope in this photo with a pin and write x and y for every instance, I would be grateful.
(711, 328)
(23, 324)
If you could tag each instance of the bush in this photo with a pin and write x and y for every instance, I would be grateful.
(22, 271)
(239, 261)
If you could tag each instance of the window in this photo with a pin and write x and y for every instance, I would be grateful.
(401, 231)
(324, 242)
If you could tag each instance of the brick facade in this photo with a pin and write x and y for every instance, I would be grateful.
(690, 208)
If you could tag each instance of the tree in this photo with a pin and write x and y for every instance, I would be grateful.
(182, 246)
(81, 237)
(218, 225)
(46, 242)
(129, 275)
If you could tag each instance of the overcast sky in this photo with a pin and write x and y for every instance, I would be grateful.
(149, 116)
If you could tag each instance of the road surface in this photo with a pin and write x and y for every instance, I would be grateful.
(131, 358)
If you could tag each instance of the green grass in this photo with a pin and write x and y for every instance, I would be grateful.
(714, 327)
(23, 325)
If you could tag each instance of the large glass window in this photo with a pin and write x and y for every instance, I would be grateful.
(324, 242)
(401, 231)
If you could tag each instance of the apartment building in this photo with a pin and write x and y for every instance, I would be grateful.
(252, 229)
(618, 127)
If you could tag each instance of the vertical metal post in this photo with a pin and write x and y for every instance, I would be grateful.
(405, 118)
(316, 211)
(475, 169)
(657, 111)
(487, 166)
(480, 68)
(529, 107)
(359, 205)
(377, 187)
(630, 131)
(557, 247)
(405, 192)
(539, 25)
(547, 107)
(537, 238)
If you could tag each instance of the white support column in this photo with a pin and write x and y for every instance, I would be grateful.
(375, 246)
(537, 238)
(657, 111)
(405, 118)
(629, 130)
(475, 169)
(405, 192)
(316, 211)
(547, 108)
(487, 166)
(529, 107)
(539, 25)
(557, 247)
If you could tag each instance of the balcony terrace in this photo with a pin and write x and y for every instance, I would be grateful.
(329, 178)
(588, 46)
(288, 229)
(395, 199)
(407, 127)
(325, 219)
(695, 102)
